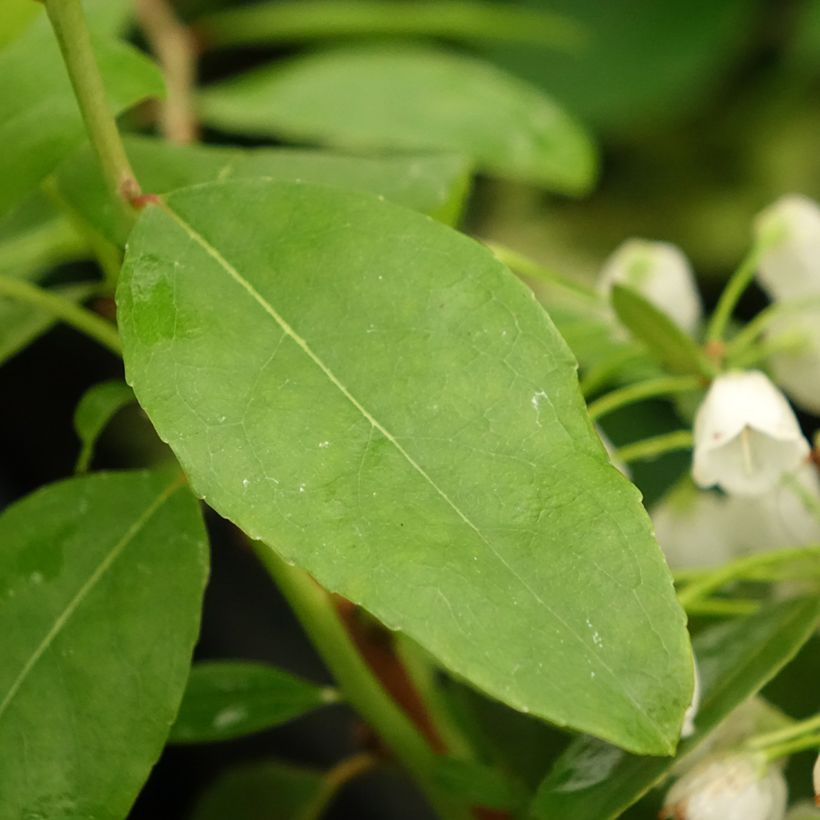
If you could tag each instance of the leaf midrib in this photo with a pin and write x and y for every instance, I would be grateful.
(246, 285)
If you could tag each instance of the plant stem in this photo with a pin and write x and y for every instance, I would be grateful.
(702, 586)
(664, 386)
(798, 729)
(316, 613)
(790, 748)
(68, 20)
(655, 446)
(174, 46)
(604, 372)
(723, 607)
(78, 317)
(738, 283)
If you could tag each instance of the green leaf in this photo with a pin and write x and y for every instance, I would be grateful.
(434, 184)
(98, 405)
(227, 699)
(595, 781)
(376, 396)
(663, 338)
(101, 582)
(21, 324)
(478, 784)
(40, 123)
(265, 23)
(409, 99)
(267, 789)
(15, 17)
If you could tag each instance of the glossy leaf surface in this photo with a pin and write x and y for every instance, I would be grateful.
(409, 99)
(595, 781)
(227, 699)
(101, 582)
(433, 184)
(378, 398)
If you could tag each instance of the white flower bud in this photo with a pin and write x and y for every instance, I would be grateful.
(733, 787)
(688, 728)
(797, 371)
(746, 435)
(791, 267)
(660, 273)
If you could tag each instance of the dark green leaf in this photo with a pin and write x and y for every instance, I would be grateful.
(409, 99)
(40, 123)
(595, 781)
(227, 699)
(101, 582)
(95, 409)
(662, 337)
(376, 396)
(478, 784)
(433, 184)
(268, 789)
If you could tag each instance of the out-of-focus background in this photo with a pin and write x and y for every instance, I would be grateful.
(704, 113)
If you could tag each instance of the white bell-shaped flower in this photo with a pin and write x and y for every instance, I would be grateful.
(661, 274)
(731, 787)
(746, 435)
(790, 268)
(797, 369)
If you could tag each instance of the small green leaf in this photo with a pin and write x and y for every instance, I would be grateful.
(409, 99)
(596, 781)
(267, 789)
(227, 699)
(663, 338)
(378, 397)
(95, 409)
(478, 784)
(40, 123)
(101, 582)
(434, 184)
(21, 323)
(266, 23)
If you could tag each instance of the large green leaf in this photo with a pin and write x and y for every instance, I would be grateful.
(39, 120)
(595, 781)
(434, 184)
(227, 699)
(409, 98)
(378, 398)
(101, 582)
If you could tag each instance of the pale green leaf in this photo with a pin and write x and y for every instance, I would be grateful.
(101, 582)
(478, 784)
(409, 99)
(595, 781)
(98, 405)
(227, 699)
(378, 398)
(266, 23)
(40, 123)
(433, 184)
(266, 789)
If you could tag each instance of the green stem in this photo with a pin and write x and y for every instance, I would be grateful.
(798, 729)
(705, 585)
(737, 283)
(522, 264)
(68, 20)
(78, 317)
(792, 747)
(655, 446)
(316, 613)
(664, 386)
(606, 371)
(792, 341)
(723, 607)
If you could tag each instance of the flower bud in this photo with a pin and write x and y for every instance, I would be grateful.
(746, 435)
(790, 268)
(797, 370)
(731, 787)
(660, 273)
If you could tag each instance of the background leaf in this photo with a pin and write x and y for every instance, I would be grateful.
(595, 781)
(227, 699)
(409, 99)
(40, 123)
(101, 582)
(95, 409)
(375, 395)
(434, 184)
